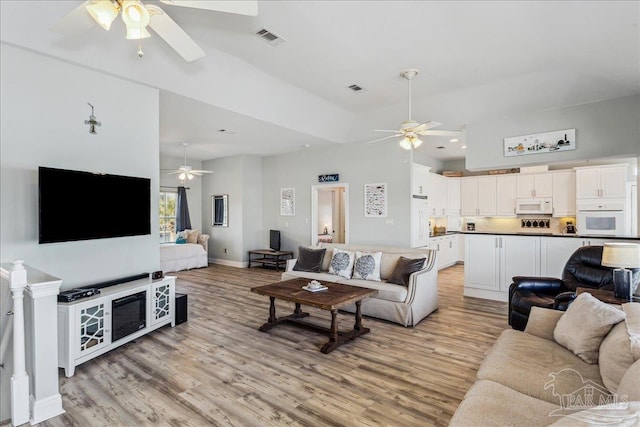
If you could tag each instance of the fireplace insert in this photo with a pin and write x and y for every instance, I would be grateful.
(129, 315)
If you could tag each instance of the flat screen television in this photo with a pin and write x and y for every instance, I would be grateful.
(274, 240)
(76, 205)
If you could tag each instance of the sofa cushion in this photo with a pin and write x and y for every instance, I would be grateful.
(584, 325)
(488, 403)
(538, 367)
(309, 259)
(386, 291)
(616, 354)
(367, 266)
(192, 236)
(342, 263)
(404, 268)
(542, 322)
(322, 277)
(630, 383)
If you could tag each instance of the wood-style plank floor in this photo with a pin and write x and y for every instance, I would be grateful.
(217, 369)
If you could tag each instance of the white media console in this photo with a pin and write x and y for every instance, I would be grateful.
(89, 327)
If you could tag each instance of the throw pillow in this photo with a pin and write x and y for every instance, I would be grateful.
(342, 263)
(192, 236)
(584, 325)
(404, 268)
(367, 266)
(181, 241)
(309, 259)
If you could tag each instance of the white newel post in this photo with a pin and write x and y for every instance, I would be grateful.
(19, 379)
(42, 344)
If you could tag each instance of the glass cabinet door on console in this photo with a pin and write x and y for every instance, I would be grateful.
(94, 331)
(163, 295)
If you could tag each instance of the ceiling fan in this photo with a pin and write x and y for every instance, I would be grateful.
(138, 17)
(184, 171)
(411, 129)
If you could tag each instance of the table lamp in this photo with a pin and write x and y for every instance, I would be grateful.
(623, 256)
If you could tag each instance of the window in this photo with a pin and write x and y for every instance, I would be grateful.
(168, 203)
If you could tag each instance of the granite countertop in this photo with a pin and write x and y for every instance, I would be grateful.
(549, 234)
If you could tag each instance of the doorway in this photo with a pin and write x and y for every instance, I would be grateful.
(330, 213)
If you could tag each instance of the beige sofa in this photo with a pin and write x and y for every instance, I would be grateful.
(527, 379)
(406, 305)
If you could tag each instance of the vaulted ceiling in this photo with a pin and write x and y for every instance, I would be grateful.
(477, 60)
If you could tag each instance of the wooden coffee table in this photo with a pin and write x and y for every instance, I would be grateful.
(331, 299)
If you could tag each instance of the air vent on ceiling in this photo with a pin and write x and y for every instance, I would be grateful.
(356, 88)
(269, 37)
(226, 131)
(440, 147)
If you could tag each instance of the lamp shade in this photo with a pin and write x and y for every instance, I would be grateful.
(103, 12)
(621, 255)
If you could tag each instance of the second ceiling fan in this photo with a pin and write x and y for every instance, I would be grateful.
(410, 129)
(185, 171)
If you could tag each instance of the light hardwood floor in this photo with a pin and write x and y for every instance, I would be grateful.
(218, 369)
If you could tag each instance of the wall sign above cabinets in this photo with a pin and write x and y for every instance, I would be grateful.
(332, 177)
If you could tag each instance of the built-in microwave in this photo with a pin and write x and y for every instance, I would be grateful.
(534, 206)
(601, 218)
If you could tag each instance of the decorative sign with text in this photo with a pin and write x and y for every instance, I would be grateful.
(332, 177)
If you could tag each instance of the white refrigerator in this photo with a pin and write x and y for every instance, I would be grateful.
(419, 221)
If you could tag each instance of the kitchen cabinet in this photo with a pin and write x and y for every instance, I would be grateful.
(437, 191)
(506, 195)
(419, 221)
(491, 261)
(534, 185)
(471, 203)
(419, 179)
(453, 196)
(564, 193)
(601, 182)
(554, 254)
(447, 247)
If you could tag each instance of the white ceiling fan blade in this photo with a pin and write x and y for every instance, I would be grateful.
(175, 36)
(199, 172)
(426, 125)
(441, 132)
(74, 23)
(385, 130)
(174, 172)
(240, 7)
(382, 139)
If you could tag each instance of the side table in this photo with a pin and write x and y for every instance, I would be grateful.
(270, 257)
(603, 295)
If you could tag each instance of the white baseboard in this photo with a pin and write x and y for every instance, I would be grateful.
(238, 264)
(486, 294)
(46, 408)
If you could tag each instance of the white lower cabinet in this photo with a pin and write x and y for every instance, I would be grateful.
(447, 247)
(555, 251)
(86, 327)
(492, 260)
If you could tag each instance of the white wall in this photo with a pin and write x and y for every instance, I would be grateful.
(44, 105)
(240, 177)
(603, 129)
(194, 187)
(357, 164)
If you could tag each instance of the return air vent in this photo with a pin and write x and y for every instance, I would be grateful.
(226, 131)
(441, 147)
(269, 37)
(356, 88)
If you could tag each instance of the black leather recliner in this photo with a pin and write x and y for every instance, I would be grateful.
(583, 269)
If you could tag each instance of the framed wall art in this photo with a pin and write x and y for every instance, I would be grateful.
(375, 200)
(548, 142)
(287, 201)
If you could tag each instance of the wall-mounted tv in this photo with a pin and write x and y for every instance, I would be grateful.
(77, 205)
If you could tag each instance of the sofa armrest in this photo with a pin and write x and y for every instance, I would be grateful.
(546, 285)
(290, 263)
(422, 292)
(542, 322)
(203, 240)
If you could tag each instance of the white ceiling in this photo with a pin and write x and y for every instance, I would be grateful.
(478, 59)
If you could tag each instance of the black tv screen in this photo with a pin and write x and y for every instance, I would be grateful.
(77, 205)
(274, 240)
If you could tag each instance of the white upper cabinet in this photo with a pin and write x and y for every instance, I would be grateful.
(437, 191)
(487, 195)
(469, 196)
(534, 185)
(601, 182)
(506, 195)
(419, 179)
(453, 196)
(564, 194)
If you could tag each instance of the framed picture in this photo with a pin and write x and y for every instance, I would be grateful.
(548, 142)
(375, 200)
(287, 201)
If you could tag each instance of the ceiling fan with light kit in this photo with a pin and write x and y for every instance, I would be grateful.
(138, 17)
(410, 129)
(185, 172)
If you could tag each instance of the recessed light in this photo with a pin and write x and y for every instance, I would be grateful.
(463, 147)
(306, 146)
(454, 140)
